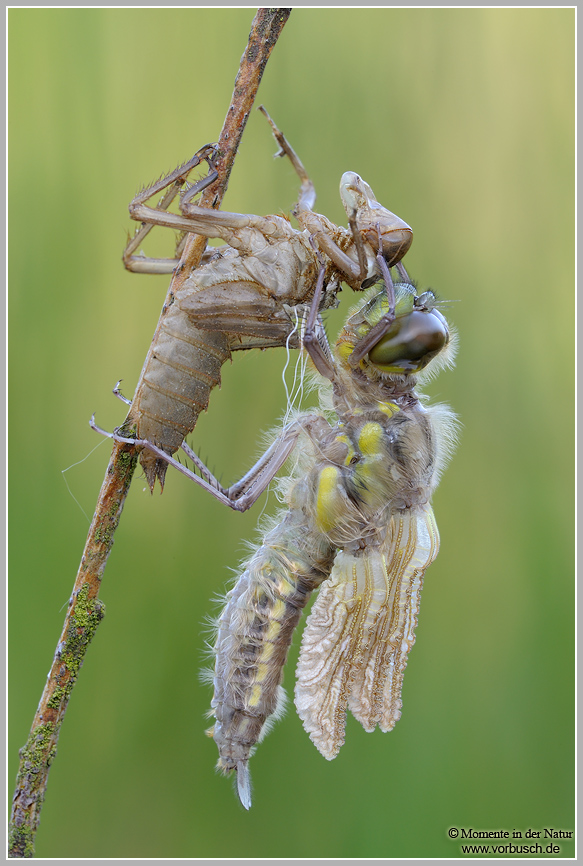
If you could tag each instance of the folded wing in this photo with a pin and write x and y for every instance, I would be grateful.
(359, 633)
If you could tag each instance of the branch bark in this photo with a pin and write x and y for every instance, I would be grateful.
(85, 611)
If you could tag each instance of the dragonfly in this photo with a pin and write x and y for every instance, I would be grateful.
(357, 524)
(246, 293)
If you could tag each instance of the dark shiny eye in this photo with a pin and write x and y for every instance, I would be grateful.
(411, 342)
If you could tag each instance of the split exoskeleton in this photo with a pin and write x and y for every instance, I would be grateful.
(357, 518)
(246, 293)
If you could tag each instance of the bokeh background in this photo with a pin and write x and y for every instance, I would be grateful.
(462, 120)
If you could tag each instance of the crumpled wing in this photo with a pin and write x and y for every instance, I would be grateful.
(359, 633)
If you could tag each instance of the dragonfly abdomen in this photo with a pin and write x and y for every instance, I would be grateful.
(255, 632)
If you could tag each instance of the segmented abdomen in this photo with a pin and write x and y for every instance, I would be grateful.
(255, 631)
(182, 368)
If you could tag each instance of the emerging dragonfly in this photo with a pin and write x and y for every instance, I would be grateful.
(245, 293)
(357, 519)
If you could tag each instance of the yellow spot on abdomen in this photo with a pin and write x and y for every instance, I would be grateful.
(266, 653)
(255, 696)
(273, 630)
(262, 670)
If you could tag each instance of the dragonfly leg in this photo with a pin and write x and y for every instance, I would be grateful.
(402, 272)
(218, 223)
(243, 493)
(173, 183)
(380, 329)
(120, 396)
(239, 496)
(314, 336)
(359, 245)
(307, 198)
(146, 264)
(318, 226)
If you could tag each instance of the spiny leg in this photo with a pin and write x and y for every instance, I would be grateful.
(207, 153)
(147, 264)
(173, 183)
(241, 495)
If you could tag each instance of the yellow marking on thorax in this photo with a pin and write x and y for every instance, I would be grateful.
(344, 348)
(369, 438)
(326, 498)
(350, 452)
(389, 409)
(370, 441)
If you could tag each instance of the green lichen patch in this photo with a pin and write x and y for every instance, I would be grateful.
(36, 757)
(36, 750)
(39, 751)
(21, 842)
(56, 698)
(86, 617)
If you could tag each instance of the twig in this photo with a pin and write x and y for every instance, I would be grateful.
(85, 610)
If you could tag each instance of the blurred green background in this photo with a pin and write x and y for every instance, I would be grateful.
(462, 120)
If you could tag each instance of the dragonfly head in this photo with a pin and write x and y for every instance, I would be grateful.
(359, 200)
(418, 335)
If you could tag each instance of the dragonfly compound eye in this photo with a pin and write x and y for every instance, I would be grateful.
(410, 343)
